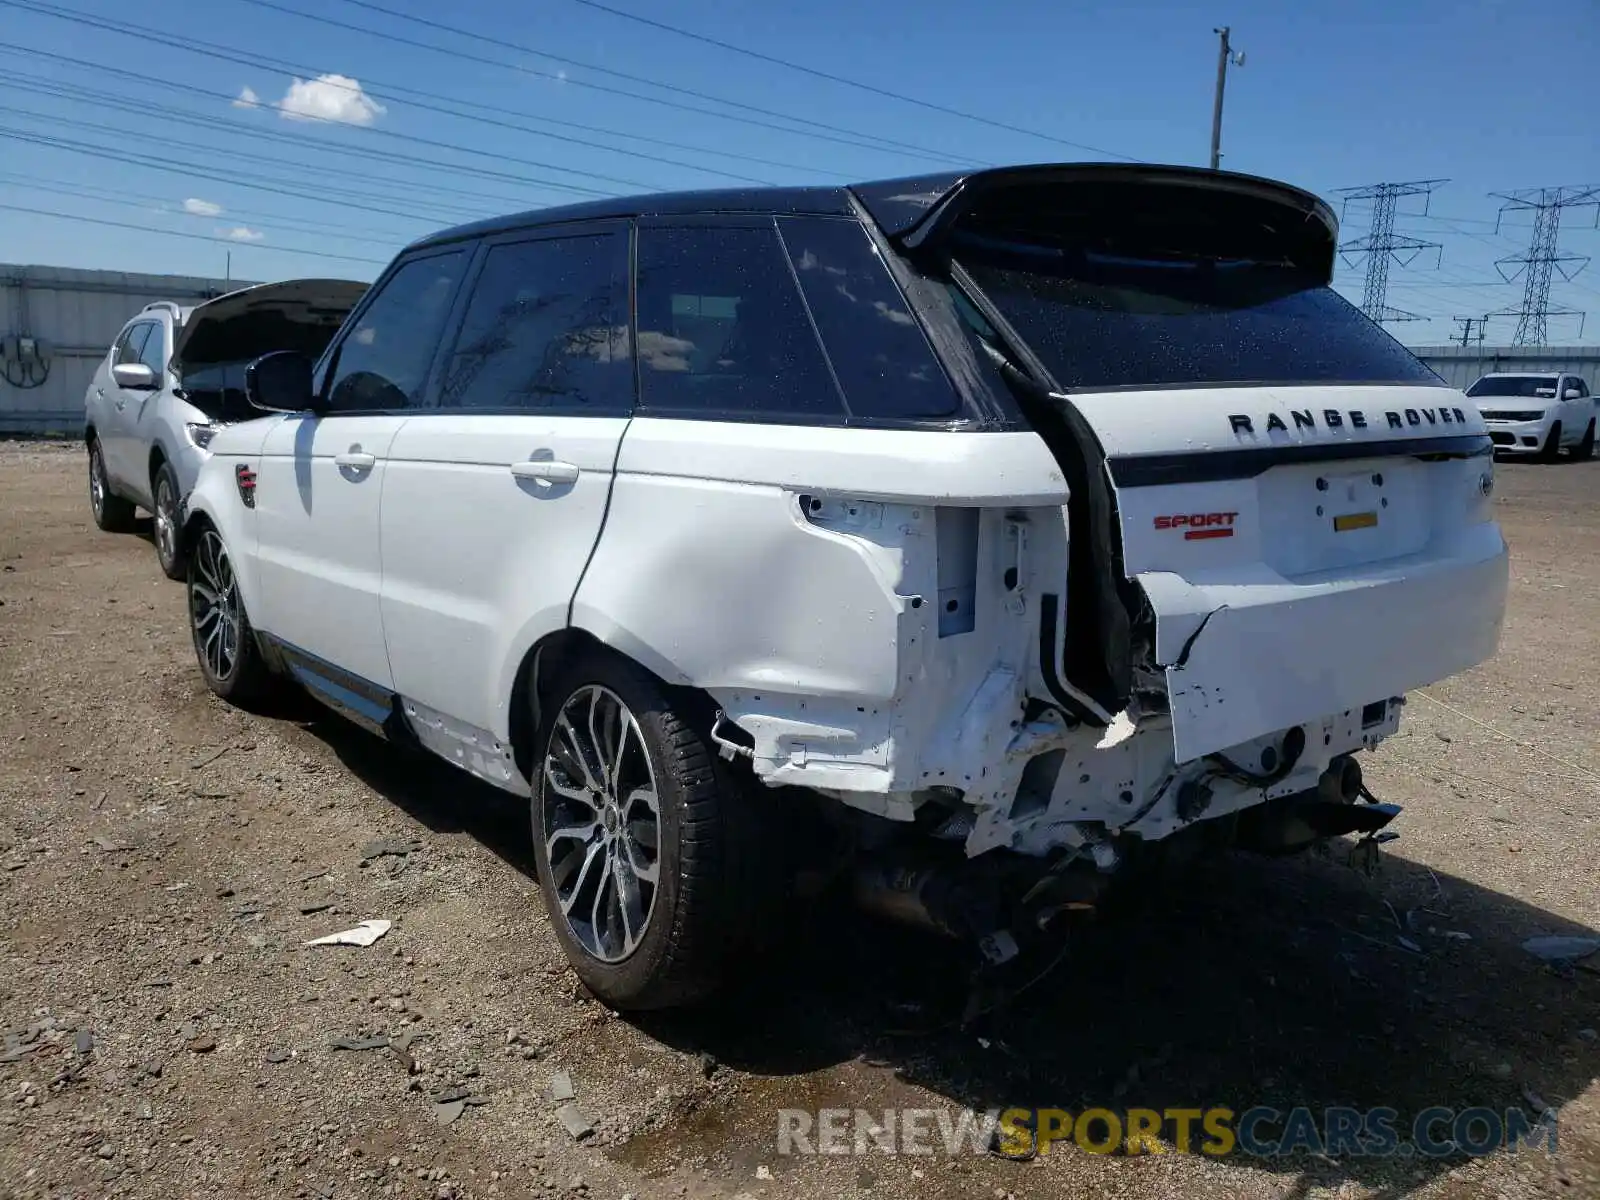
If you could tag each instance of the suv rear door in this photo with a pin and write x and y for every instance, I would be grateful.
(498, 489)
(1299, 503)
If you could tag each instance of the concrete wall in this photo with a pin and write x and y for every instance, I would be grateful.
(76, 314)
(1462, 365)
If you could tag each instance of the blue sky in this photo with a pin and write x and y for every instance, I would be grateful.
(119, 127)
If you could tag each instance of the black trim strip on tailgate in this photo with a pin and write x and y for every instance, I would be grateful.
(1155, 470)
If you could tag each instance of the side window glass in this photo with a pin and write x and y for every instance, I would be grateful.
(878, 351)
(1583, 388)
(546, 328)
(154, 353)
(722, 329)
(383, 362)
(132, 343)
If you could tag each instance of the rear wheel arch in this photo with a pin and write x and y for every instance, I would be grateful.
(548, 659)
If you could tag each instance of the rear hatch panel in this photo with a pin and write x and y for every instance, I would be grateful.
(1303, 506)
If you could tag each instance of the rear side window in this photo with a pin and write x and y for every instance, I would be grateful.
(546, 328)
(131, 344)
(722, 329)
(383, 362)
(1101, 322)
(883, 362)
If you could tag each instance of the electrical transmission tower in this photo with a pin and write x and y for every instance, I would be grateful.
(1383, 245)
(1467, 324)
(1543, 257)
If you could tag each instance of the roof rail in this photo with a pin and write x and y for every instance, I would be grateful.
(172, 305)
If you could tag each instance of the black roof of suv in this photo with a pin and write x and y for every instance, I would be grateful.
(899, 206)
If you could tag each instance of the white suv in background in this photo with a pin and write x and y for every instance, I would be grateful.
(1537, 414)
(172, 377)
(971, 539)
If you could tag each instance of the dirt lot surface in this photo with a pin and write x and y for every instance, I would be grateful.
(163, 858)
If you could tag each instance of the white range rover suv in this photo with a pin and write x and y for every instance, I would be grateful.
(971, 539)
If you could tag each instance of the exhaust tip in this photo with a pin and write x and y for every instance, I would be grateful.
(1342, 781)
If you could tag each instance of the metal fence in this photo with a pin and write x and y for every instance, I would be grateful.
(72, 316)
(1461, 366)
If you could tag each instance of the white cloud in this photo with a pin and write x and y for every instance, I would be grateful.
(202, 208)
(243, 233)
(329, 98)
(247, 99)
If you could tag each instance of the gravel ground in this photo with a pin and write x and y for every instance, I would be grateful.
(163, 858)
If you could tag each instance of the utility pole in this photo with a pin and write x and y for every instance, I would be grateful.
(1467, 324)
(1225, 55)
(1542, 258)
(1383, 245)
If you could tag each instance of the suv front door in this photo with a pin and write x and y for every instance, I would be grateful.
(117, 445)
(319, 481)
(496, 495)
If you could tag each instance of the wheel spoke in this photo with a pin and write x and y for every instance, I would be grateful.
(576, 831)
(596, 741)
(595, 854)
(630, 904)
(572, 751)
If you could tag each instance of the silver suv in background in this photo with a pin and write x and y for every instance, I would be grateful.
(173, 376)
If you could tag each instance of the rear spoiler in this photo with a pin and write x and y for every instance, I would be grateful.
(918, 212)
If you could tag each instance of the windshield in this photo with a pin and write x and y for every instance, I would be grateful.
(1542, 387)
(1100, 322)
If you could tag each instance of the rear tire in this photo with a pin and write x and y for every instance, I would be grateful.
(112, 513)
(1584, 450)
(1552, 444)
(168, 535)
(224, 643)
(617, 766)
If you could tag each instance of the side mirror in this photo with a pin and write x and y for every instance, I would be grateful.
(280, 382)
(135, 377)
(1572, 394)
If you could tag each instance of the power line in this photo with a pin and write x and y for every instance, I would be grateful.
(398, 93)
(208, 171)
(1382, 244)
(193, 237)
(375, 93)
(851, 138)
(1543, 257)
(254, 157)
(127, 199)
(828, 75)
(89, 95)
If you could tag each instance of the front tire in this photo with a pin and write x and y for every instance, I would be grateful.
(169, 549)
(230, 660)
(1584, 450)
(1551, 449)
(112, 514)
(640, 845)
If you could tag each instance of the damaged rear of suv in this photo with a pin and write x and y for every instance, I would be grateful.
(1004, 531)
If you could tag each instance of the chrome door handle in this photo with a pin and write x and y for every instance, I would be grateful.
(355, 459)
(546, 470)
